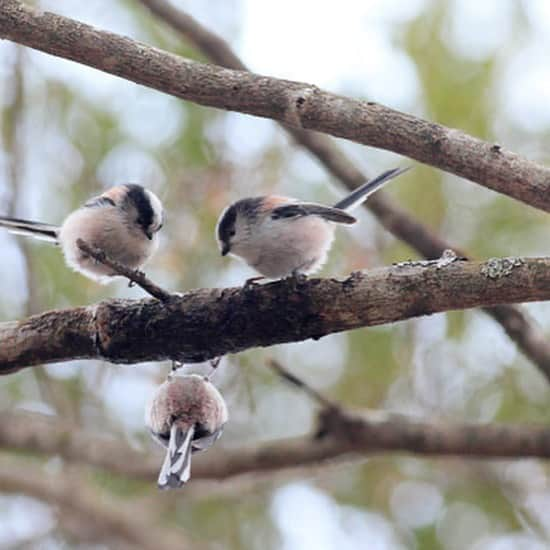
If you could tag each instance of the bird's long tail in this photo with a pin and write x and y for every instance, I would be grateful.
(43, 231)
(360, 195)
(176, 468)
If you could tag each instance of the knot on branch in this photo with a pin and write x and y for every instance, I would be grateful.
(297, 103)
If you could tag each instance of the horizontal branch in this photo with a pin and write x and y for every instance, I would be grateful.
(452, 150)
(348, 435)
(208, 323)
(297, 104)
(389, 214)
(518, 326)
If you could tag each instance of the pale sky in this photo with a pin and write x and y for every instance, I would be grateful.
(347, 46)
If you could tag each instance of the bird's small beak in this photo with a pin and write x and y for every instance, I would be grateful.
(225, 249)
(149, 234)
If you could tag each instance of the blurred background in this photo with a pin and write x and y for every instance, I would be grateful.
(68, 132)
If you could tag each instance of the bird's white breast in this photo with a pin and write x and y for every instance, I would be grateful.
(107, 229)
(280, 247)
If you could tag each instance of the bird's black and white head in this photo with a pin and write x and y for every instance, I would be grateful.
(236, 223)
(142, 206)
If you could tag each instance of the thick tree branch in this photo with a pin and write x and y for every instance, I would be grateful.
(270, 97)
(371, 124)
(524, 331)
(208, 323)
(346, 434)
(297, 104)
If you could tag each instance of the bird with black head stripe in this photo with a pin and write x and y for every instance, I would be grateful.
(123, 222)
(282, 236)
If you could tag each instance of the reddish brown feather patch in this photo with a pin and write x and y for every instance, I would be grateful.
(116, 194)
(273, 201)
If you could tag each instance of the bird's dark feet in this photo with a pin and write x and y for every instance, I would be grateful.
(252, 282)
(296, 279)
(176, 365)
(139, 274)
(214, 364)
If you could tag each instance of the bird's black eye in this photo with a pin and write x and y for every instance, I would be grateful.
(232, 233)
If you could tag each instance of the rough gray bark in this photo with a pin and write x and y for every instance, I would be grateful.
(373, 125)
(207, 323)
(297, 104)
(519, 327)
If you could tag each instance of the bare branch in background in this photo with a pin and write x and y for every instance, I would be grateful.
(133, 275)
(285, 374)
(519, 327)
(207, 323)
(77, 497)
(345, 435)
(297, 104)
(55, 436)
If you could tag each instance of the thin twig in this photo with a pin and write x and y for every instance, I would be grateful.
(134, 275)
(301, 384)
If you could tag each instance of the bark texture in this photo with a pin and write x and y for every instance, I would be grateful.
(519, 327)
(300, 106)
(208, 323)
(297, 104)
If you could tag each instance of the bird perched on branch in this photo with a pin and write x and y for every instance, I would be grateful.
(187, 414)
(123, 222)
(282, 236)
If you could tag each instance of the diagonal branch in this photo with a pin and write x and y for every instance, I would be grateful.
(519, 327)
(207, 323)
(371, 124)
(390, 215)
(297, 104)
(133, 275)
(291, 378)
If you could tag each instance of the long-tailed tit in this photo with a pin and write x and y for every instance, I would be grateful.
(282, 236)
(123, 222)
(187, 414)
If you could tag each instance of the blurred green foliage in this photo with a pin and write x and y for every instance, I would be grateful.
(377, 368)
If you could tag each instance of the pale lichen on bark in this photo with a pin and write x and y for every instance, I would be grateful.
(495, 268)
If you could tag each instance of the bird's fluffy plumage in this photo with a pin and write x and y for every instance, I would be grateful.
(282, 236)
(186, 414)
(123, 222)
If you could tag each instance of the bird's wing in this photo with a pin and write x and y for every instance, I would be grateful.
(301, 209)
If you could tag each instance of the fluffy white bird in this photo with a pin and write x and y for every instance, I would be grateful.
(123, 222)
(282, 236)
(186, 414)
